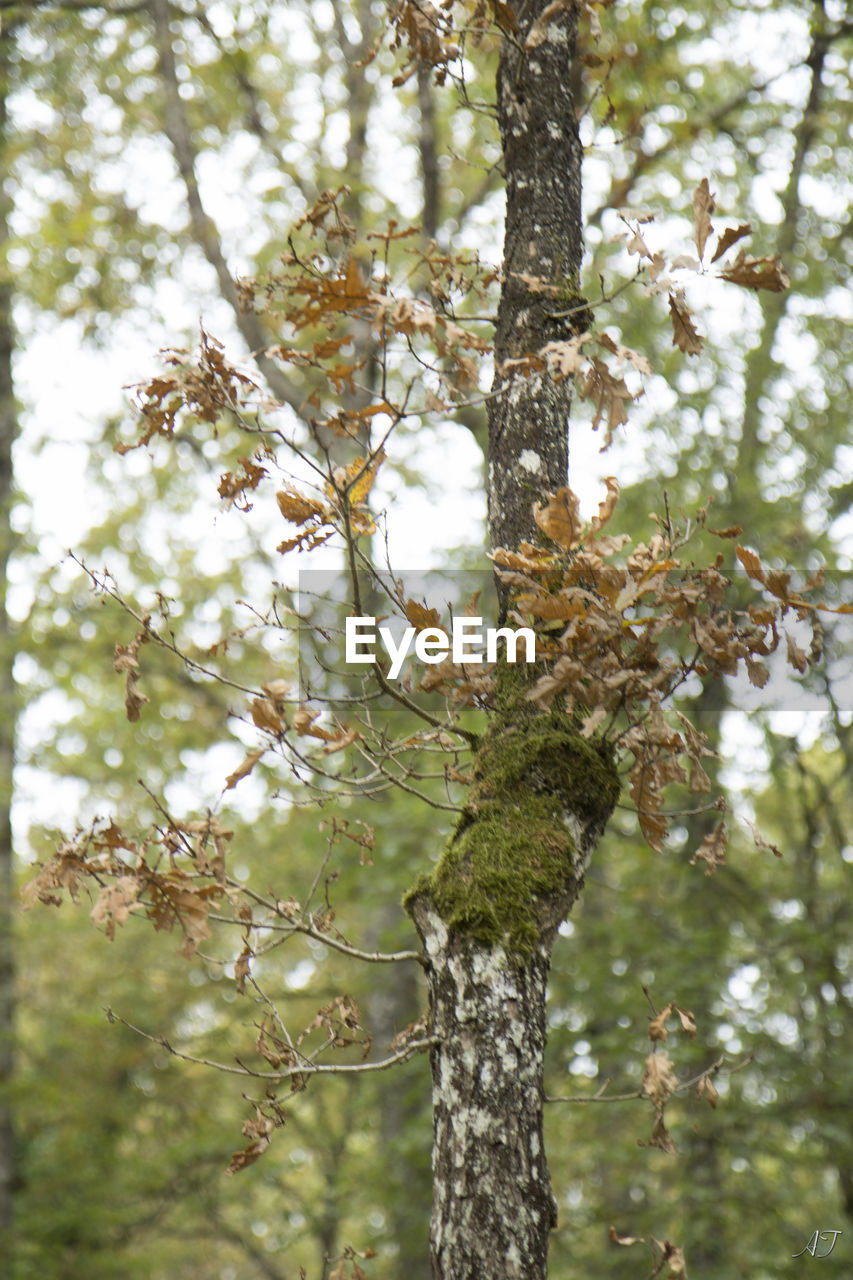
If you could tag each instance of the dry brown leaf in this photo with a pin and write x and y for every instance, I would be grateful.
(638, 245)
(297, 508)
(504, 16)
(688, 1022)
(659, 1078)
(125, 661)
(757, 273)
(762, 843)
(607, 507)
(260, 1131)
(115, 903)
(704, 204)
(265, 716)
(706, 1087)
(698, 782)
(337, 742)
(564, 358)
(796, 656)
(733, 531)
(242, 969)
(661, 1136)
(657, 1026)
(685, 335)
(712, 850)
(757, 672)
(590, 723)
(191, 908)
(751, 563)
(303, 721)
(729, 237)
(420, 616)
(626, 1240)
(560, 520)
(244, 768)
(610, 396)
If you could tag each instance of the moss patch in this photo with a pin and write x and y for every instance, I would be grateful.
(512, 852)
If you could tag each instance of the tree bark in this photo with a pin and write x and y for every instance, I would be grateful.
(541, 796)
(492, 1202)
(529, 422)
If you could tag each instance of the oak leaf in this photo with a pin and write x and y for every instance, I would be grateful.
(657, 1026)
(729, 237)
(265, 716)
(615, 1238)
(761, 842)
(688, 1022)
(757, 672)
(712, 850)
(607, 507)
(796, 656)
(244, 768)
(125, 660)
(704, 204)
(685, 335)
(757, 273)
(115, 903)
(420, 616)
(661, 1136)
(751, 563)
(560, 520)
(297, 508)
(659, 1078)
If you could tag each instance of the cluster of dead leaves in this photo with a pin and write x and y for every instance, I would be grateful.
(339, 1025)
(346, 510)
(204, 387)
(659, 1079)
(126, 876)
(595, 381)
(326, 293)
(259, 1130)
(621, 629)
(234, 487)
(126, 663)
(435, 35)
(273, 714)
(766, 273)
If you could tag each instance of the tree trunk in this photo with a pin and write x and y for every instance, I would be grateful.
(492, 1201)
(529, 423)
(541, 795)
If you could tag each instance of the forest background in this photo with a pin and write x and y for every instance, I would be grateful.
(152, 153)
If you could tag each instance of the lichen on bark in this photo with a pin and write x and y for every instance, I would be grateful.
(541, 795)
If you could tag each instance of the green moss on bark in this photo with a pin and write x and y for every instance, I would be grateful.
(538, 788)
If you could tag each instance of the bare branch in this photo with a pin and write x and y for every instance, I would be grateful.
(307, 1068)
(177, 128)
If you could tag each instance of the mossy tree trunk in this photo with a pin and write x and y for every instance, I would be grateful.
(541, 795)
